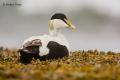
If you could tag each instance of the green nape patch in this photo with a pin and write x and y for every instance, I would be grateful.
(81, 65)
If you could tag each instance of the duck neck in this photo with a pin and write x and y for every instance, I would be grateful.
(54, 32)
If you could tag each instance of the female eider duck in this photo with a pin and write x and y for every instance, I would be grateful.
(52, 46)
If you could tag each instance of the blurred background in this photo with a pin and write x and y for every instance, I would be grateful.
(97, 22)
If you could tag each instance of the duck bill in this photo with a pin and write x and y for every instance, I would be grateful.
(70, 25)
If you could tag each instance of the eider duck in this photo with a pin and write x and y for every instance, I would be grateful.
(51, 46)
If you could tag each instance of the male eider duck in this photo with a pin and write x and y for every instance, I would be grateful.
(51, 46)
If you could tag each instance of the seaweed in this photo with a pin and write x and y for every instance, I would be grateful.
(81, 65)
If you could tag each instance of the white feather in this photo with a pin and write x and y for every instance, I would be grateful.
(45, 39)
